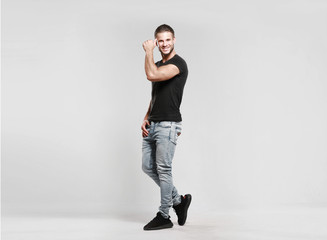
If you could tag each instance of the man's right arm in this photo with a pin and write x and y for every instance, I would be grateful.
(146, 122)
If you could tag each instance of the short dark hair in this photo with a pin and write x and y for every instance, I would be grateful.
(164, 28)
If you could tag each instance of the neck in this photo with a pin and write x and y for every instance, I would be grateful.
(167, 57)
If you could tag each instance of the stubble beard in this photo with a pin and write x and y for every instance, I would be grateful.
(166, 54)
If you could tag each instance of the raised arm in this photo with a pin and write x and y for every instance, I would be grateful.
(154, 73)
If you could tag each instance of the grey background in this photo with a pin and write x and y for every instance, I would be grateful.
(74, 94)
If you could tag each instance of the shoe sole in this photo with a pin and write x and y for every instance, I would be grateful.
(169, 225)
(188, 198)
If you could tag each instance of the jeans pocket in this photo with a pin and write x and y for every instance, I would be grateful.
(175, 132)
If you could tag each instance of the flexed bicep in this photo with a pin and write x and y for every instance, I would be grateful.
(164, 73)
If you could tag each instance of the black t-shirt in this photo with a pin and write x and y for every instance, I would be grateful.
(167, 95)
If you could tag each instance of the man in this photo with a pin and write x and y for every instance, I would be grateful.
(162, 124)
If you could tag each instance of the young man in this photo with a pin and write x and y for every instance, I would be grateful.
(162, 124)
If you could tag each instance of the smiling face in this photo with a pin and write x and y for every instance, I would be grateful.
(166, 42)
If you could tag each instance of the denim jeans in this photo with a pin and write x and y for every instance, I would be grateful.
(158, 150)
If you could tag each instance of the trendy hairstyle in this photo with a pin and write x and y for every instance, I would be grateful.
(164, 28)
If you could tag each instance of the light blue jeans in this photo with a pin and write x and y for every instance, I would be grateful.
(158, 150)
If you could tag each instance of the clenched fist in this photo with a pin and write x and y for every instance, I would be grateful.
(149, 45)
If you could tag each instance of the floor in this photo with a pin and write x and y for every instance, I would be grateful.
(275, 224)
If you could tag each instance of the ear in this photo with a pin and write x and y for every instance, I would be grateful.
(174, 39)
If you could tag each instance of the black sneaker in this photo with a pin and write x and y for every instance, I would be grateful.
(159, 222)
(181, 209)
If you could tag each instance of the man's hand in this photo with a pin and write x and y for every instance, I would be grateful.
(149, 45)
(145, 132)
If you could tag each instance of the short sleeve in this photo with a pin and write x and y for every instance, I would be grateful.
(179, 63)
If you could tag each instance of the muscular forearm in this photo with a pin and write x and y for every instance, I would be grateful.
(150, 68)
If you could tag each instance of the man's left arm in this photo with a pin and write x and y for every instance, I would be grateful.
(154, 73)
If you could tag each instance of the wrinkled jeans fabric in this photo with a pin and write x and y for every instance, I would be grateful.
(158, 150)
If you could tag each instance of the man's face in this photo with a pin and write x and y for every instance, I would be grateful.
(166, 42)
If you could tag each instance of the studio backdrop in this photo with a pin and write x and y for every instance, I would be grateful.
(74, 95)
